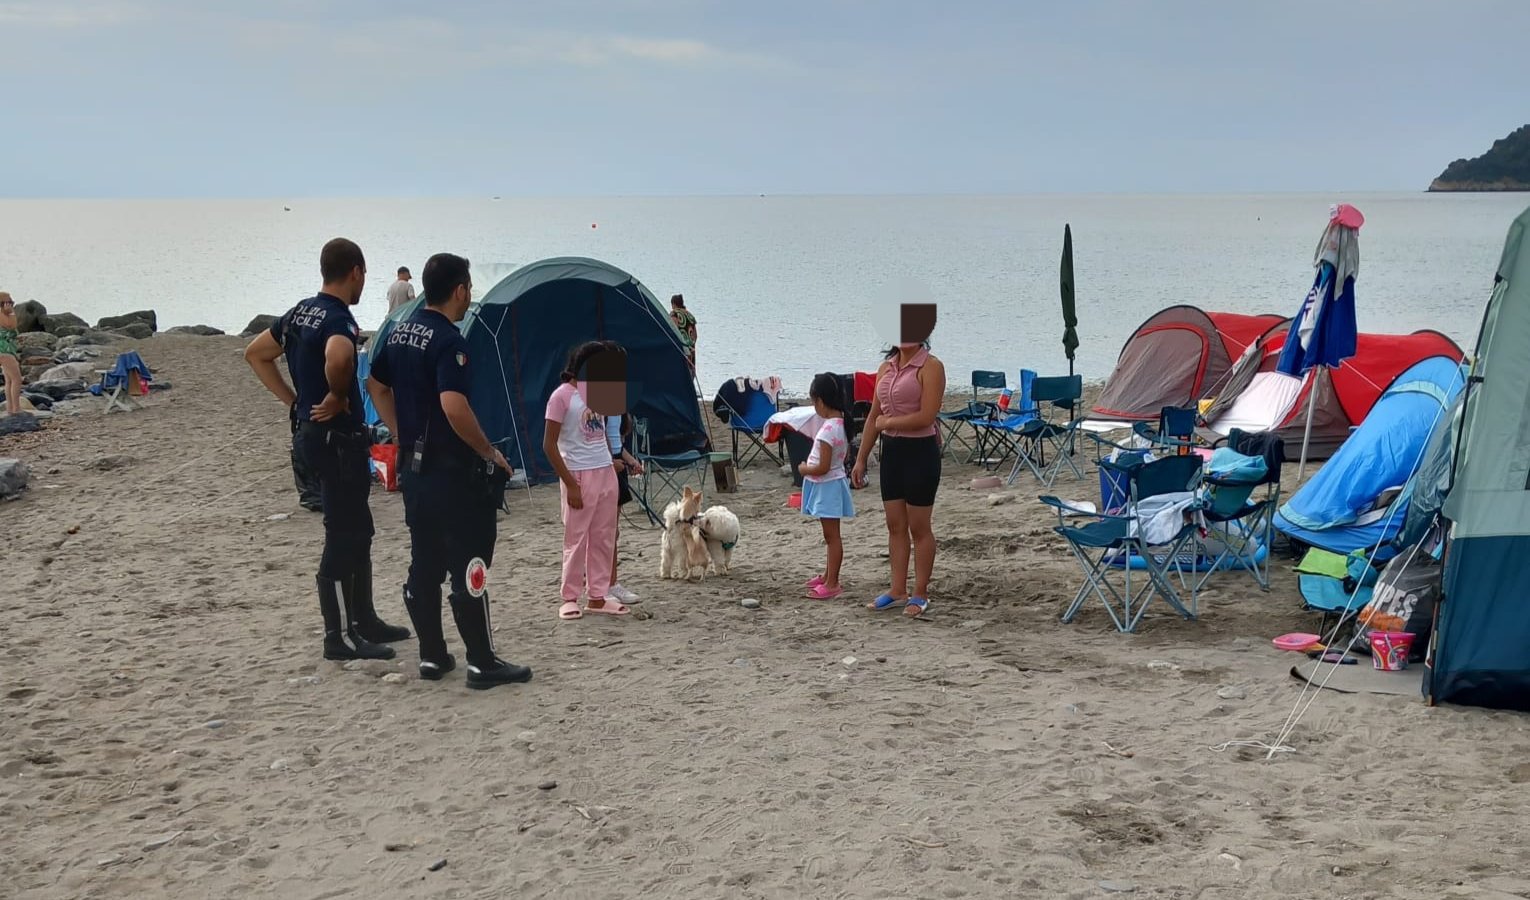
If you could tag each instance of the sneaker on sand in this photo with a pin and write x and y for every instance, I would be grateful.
(622, 595)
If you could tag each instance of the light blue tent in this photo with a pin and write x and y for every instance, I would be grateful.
(1482, 641)
(1338, 510)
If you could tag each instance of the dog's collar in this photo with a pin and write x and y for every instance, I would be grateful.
(692, 520)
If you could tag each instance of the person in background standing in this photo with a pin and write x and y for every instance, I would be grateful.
(400, 291)
(685, 323)
(10, 355)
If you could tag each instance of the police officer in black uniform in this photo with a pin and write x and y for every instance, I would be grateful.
(449, 472)
(319, 337)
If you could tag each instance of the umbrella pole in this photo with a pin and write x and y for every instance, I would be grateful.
(1301, 467)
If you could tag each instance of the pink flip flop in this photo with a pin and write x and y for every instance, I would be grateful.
(824, 592)
(815, 581)
(570, 610)
(608, 608)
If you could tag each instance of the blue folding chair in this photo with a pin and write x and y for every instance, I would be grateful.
(1009, 433)
(977, 410)
(1240, 528)
(664, 474)
(1122, 536)
(1055, 426)
(747, 412)
(124, 379)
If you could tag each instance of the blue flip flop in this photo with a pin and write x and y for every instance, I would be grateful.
(918, 603)
(886, 601)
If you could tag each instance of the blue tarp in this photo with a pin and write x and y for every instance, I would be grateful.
(1333, 510)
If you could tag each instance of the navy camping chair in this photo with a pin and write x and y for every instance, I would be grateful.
(978, 409)
(1175, 432)
(1239, 527)
(665, 475)
(746, 411)
(1119, 540)
(1056, 425)
(1006, 434)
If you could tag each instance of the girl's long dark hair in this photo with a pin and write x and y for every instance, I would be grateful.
(578, 356)
(830, 388)
(892, 351)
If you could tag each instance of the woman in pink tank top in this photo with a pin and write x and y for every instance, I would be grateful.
(911, 385)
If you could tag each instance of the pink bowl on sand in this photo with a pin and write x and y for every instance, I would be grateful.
(1298, 641)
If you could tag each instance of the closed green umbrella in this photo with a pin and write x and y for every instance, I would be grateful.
(1070, 314)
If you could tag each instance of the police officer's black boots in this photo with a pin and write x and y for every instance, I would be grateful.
(341, 641)
(485, 670)
(368, 625)
(425, 613)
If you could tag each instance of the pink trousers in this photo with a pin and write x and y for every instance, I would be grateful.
(589, 534)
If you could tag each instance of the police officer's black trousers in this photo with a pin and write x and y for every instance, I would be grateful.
(342, 462)
(450, 514)
(303, 475)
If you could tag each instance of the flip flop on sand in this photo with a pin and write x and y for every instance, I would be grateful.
(886, 601)
(608, 607)
(916, 607)
(815, 581)
(570, 610)
(822, 591)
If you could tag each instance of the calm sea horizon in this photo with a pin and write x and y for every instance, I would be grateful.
(782, 285)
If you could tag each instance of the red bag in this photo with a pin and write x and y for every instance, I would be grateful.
(385, 464)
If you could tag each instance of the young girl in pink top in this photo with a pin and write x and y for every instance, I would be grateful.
(825, 487)
(911, 384)
(575, 444)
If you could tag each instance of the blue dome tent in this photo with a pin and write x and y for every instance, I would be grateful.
(519, 335)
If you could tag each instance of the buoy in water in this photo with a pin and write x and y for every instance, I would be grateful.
(592, 224)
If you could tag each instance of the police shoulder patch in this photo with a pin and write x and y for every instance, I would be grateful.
(461, 358)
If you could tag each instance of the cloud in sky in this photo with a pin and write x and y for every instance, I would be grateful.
(380, 97)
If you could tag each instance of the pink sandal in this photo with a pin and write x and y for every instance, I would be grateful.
(815, 581)
(608, 607)
(822, 591)
(570, 610)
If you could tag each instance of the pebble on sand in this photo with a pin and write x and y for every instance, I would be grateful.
(394, 678)
(1232, 692)
(749, 603)
(547, 785)
(438, 865)
(215, 723)
(1118, 887)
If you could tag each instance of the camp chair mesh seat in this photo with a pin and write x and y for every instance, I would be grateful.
(1240, 530)
(1012, 433)
(1115, 540)
(664, 474)
(1056, 401)
(746, 411)
(977, 409)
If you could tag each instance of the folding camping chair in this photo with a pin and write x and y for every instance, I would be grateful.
(1336, 587)
(1175, 432)
(746, 411)
(1240, 530)
(1120, 540)
(119, 384)
(665, 475)
(1051, 396)
(977, 410)
(1009, 433)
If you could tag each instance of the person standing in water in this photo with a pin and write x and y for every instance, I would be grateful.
(319, 337)
(685, 323)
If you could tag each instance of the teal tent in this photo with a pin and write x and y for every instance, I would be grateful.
(1482, 641)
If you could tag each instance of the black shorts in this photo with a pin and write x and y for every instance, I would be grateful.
(910, 469)
(623, 490)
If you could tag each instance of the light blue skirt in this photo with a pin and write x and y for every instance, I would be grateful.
(827, 499)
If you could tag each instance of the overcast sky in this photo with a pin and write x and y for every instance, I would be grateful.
(282, 98)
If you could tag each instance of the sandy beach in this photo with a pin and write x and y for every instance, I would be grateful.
(168, 728)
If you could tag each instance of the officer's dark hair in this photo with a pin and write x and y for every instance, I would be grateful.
(580, 355)
(403, 270)
(443, 272)
(338, 258)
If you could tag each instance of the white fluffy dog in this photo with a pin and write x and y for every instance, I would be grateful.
(719, 528)
(682, 550)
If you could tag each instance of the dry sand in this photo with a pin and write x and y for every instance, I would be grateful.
(168, 729)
